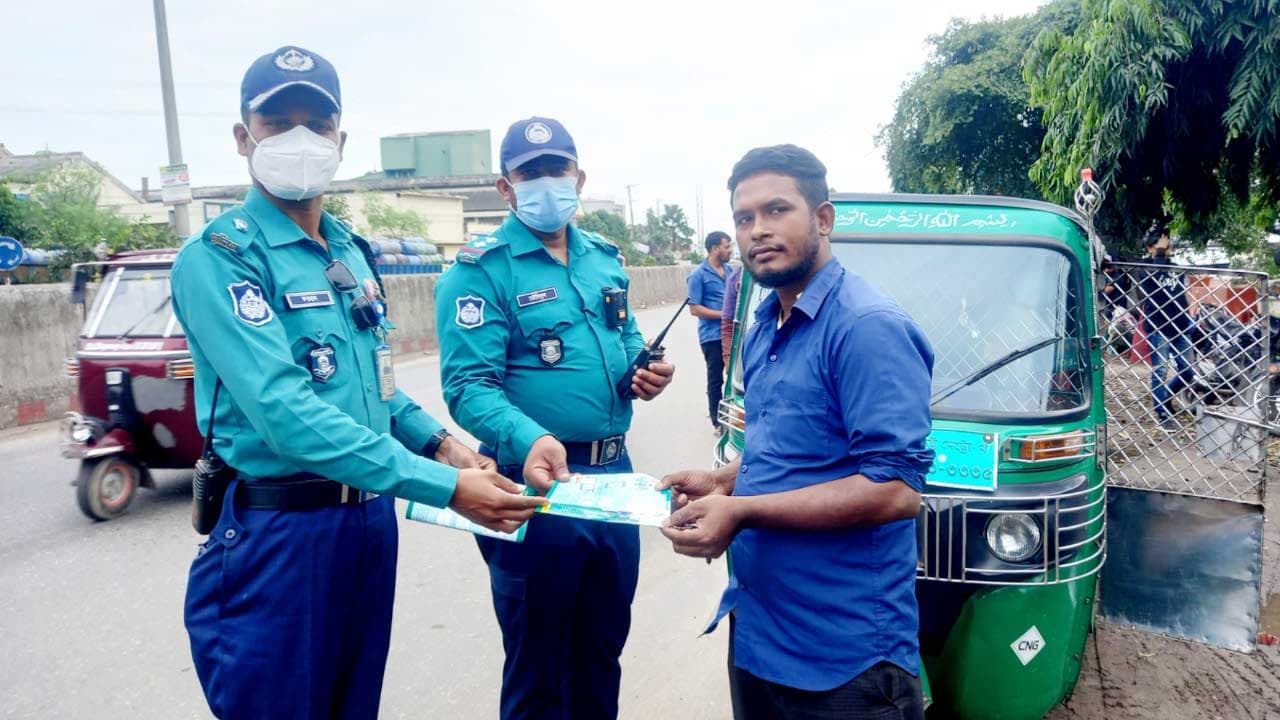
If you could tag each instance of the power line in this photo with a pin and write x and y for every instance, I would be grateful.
(112, 113)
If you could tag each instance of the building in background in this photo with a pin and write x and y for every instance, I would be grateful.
(456, 153)
(22, 173)
(590, 205)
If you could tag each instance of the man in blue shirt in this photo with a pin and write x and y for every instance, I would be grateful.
(706, 302)
(819, 512)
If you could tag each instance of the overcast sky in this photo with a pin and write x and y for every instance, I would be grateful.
(659, 94)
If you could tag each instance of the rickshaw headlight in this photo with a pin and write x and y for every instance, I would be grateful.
(115, 377)
(1013, 537)
(81, 432)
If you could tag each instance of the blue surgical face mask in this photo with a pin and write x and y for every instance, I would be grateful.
(546, 204)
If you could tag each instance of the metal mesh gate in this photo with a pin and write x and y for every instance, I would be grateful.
(1186, 379)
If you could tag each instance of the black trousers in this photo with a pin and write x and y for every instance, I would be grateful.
(714, 356)
(883, 692)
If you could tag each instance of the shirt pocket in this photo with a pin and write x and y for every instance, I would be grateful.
(319, 344)
(806, 425)
(543, 320)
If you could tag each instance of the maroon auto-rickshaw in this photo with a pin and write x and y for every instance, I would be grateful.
(136, 409)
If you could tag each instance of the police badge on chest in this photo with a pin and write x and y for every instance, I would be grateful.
(323, 363)
(551, 351)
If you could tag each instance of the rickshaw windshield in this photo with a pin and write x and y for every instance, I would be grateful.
(1005, 321)
(133, 302)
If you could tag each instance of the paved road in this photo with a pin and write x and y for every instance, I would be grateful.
(91, 613)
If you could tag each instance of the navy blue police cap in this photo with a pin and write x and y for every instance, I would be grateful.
(532, 138)
(287, 67)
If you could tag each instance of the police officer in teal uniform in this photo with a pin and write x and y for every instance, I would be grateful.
(535, 334)
(289, 602)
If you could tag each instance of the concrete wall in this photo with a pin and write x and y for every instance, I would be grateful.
(39, 327)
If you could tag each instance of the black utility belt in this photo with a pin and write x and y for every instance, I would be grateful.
(595, 453)
(294, 495)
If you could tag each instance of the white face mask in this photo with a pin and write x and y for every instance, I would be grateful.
(295, 165)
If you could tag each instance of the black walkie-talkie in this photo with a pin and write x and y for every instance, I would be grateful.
(653, 352)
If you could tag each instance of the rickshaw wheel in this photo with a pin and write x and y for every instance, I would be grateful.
(106, 486)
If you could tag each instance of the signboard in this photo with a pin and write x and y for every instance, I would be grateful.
(175, 185)
(963, 459)
(10, 253)
(641, 247)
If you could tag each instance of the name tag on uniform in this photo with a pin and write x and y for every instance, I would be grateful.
(537, 296)
(308, 299)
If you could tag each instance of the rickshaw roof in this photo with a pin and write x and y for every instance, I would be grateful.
(140, 258)
(157, 254)
(954, 214)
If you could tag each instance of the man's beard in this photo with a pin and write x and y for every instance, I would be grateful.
(795, 273)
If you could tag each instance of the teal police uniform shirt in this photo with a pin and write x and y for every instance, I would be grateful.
(524, 346)
(300, 385)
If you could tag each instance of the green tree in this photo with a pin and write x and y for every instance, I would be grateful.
(15, 216)
(965, 122)
(382, 218)
(607, 224)
(667, 234)
(339, 206)
(64, 213)
(1174, 103)
(615, 228)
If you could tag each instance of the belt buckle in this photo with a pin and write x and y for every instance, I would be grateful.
(606, 451)
(360, 496)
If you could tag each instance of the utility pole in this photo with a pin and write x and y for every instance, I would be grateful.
(181, 222)
(700, 234)
(631, 210)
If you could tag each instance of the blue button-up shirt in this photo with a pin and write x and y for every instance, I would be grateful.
(706, 288)
(842, 388)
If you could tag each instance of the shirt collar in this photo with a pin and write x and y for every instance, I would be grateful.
(812, 297)
(278, 229)
(522, 241)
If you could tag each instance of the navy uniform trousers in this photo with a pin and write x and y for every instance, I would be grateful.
(289, 613)
(563, 600)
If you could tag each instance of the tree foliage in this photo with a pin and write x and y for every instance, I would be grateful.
(61, 213)
(615, 228)
(339, 207)
(965, 123)
(1174, 103)
(667, 233)
(381, 218)
(15, 216)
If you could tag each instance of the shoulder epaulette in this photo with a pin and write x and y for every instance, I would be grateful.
(231, 231)
(476, 249)
(601, 240)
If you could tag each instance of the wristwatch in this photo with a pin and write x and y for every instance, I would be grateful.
(433, 444)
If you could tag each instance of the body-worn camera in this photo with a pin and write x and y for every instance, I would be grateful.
(616, 311)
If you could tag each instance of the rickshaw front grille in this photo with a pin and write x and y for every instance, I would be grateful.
(952, 545)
